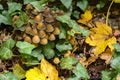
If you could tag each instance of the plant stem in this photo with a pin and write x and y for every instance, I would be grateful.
(108, 12)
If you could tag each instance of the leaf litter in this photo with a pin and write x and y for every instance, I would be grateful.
(94, 57)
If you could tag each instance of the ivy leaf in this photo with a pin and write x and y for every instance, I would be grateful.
(30, 60)
(68, 62)
(62, 46)
(63, 33)
(19, 71)
(10, 43)
(13, 6)
(25, 47)
(106, 75)
(101, 4)
(81, 71)
(66, 3)
(117, 47)
(8, 76)
(83, 4)
(1, 7)
(76, 14)
(23, 18)
(37, 53)
(28, 1)
(115, 63)
(49, 45)
(49, 53)
(5, 50)
(39, 5)
(5, 53)
(5, 19)
(72, 23)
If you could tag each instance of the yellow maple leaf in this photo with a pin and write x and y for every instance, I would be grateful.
(35, 74)
(85, 17)
(49, 70)
(101, 37)
(46, 72)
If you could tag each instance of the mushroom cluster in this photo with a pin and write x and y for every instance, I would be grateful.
(42, 26)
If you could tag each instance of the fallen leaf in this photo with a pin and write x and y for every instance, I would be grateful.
(19, 71)
(85, 17)
(35, 74)
(90, 60)
(49, 70)
(107, 55)
(101, 37)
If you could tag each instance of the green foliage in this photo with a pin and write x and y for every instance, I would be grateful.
(106, 75)
(109, 75)
(30, 61)
(63, 32)
(6, 19)
(81, 72)
(101, 4)
(28, 1)
(37, 53)
(6, 16)
(68, 62)
(115, 63)
(49, 53)
(72, 24)
(23, 18)
(117, 47)
(82, 4)
(10, 43)
(76, 14)
(13, 6)
(5, 53)
(25, 47)
(19, 71)
(48, 50)
(1, 7)
(39, 5)
(8, 76)
(66, 3)
(63, 45)
(5, 50)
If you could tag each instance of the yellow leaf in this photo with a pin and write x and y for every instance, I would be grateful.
(49, 70)
(116, 1)
(102, 29)
(100, 47)
(85, 17)
(19, 71)
(101, 37)
(110, 42)
(35, 74)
